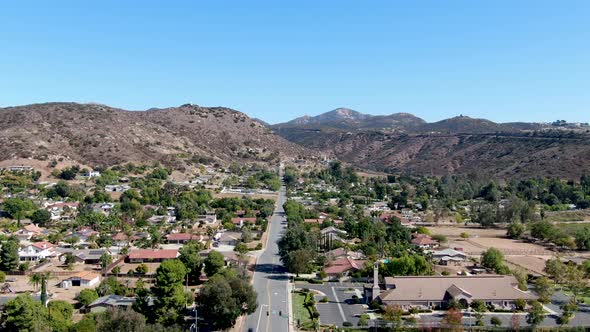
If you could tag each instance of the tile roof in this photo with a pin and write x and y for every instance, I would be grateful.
(153, 254)
(434, 288)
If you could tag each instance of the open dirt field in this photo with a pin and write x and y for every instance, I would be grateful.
(529, 256)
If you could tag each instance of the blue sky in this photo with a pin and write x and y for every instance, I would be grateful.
(501, 60)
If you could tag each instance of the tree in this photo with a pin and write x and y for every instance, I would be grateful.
(35, 280)
(479, 307)
(519, 304)
(300, 261)
(536, 313)
(542, 230)
(142, 269)
(213, 263)
(555, 268)
(393, 313)
(105, 261)
(521, 276)
(515, 230)
(568, 309)
(495, 321)
(18, 207)
(25, 314)
(453, 317)
(493, 259)
(574, 280)
(87, 296)
(123, 320)
(544, 288)
(224, 298)
(583, 238)
(170, 298)
(190, 257)
(9, 255)
(41, 217)
(60, 315)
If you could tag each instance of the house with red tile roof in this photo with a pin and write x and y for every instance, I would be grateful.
(424, 241)
(152, 255)
(37, 251)
(181, 238)
(342, 267)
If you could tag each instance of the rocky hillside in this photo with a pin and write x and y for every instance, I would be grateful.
(347, 119)
(457, 145)
(100, 135)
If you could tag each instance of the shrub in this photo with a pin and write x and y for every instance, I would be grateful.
(440, 238)
(324, 299)
(258, 246)
(445, 273)
(2, 276)
(347, 324)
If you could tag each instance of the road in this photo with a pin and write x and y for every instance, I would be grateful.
(270, 280)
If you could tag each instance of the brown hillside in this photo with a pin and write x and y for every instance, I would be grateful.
(100, 135)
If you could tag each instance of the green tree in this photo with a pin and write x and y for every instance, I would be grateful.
(121, 320)
(495, 321)
(9, 255)
(224, 298)
(87, 296)
(568, 310)
(582, 238)
(60, 315)
(555, 268)
(213, 263)
(515, 230)
(393, 313)
(35, 280)
(300, 261)
(142, 269)
(18, 207)
(492, 259)
(170, 298)
(41, 217)
(25, 314)
(536, 314)
(544, 288)
(105, 261)
(190, 257)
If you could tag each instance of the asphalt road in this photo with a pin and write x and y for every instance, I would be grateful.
(270, 280)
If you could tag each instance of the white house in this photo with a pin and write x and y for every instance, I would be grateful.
(37, 251)
(81, 279)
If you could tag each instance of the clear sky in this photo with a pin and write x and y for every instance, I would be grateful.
(276, 60)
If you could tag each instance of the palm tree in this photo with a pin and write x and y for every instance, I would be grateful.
(35, 279)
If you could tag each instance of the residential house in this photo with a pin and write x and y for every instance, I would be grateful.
(343, 252)
(104, 208)
(152, 255)
(30, 231)
(423, 241)
(119, 188)
(111, 301)
(85, 256)
(434, 292)
(81, 279)
(63, 210)
(448, 256)
(181, 238)
(227, 238)
(333, 233)
(241, 221)
(37, 251)
(342, 267)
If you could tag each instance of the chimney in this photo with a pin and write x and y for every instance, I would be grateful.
(376, 290)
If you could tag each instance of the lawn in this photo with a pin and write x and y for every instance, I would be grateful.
(300, 313)
(583, 297)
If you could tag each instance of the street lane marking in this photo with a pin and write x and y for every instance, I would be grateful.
(339, 306)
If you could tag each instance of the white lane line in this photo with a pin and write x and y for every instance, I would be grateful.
(339, 306)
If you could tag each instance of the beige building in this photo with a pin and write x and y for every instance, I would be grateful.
(435, 292)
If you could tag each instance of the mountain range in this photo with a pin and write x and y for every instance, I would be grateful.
(94, 134)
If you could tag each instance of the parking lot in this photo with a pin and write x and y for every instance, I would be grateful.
(340, 307)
